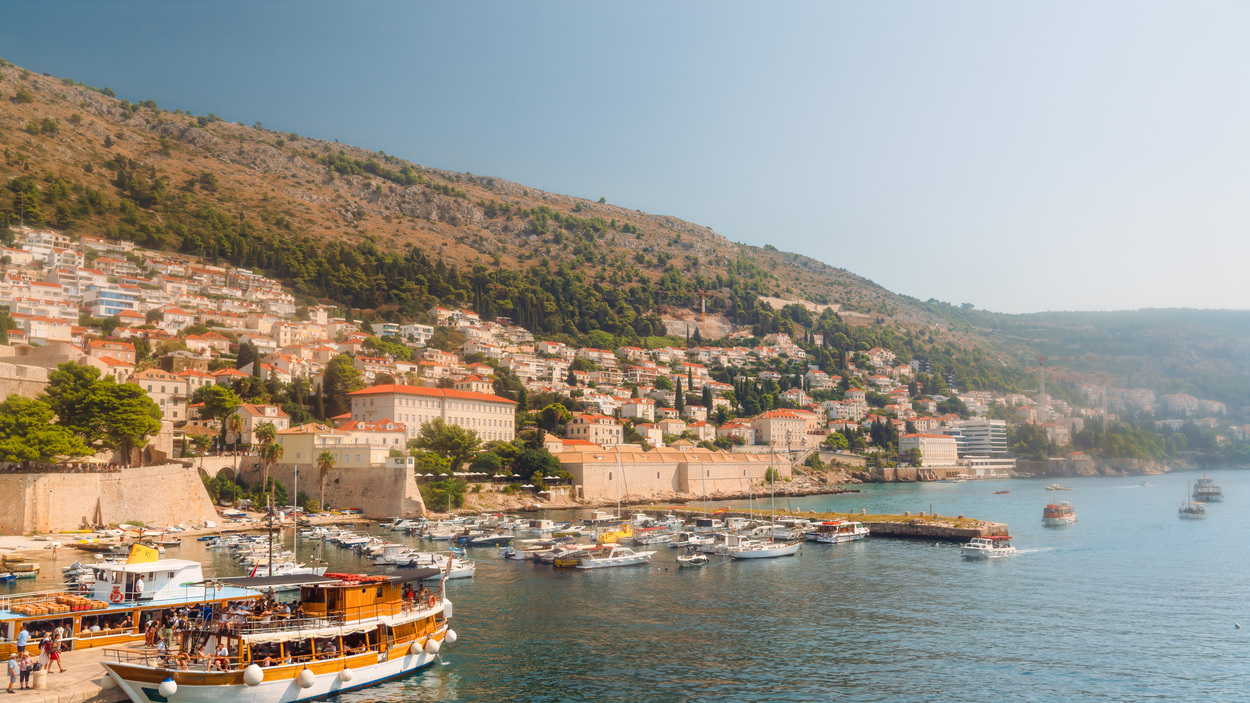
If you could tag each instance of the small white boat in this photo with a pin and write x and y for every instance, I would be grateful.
(1058, 487)
(688, 539)
(764, 550)
(692, 560)
(988, 547)
(616, 556)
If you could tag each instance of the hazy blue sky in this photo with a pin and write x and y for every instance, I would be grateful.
(1017, 156)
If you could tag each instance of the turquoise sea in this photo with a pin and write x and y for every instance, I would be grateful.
(1129, 604)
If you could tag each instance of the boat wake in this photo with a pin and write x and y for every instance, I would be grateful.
(1035, 551)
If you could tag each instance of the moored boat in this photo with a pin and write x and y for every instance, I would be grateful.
(837, 531)
(614, 555)
(1058, 514)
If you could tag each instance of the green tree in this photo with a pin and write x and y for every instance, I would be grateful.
(27, 432)
(836, 441)
(219, 402)
(663, 383)
(131, 416)
(70, 395)
(488, 462)
(537, 463)
(680, 402)
(341, 377)
(913, 457)
(551, 417)
(454, 442)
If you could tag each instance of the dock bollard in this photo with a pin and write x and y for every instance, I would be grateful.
(39, 679)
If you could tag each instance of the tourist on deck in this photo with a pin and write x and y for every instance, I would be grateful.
(222, 662)
(139, 588)
(23, 637)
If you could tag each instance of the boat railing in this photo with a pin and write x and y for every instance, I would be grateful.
(283, 624)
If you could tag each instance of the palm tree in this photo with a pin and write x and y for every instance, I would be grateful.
(270, 454)
(200, 442)
(266, 432)
(234, 425)
(325, 462)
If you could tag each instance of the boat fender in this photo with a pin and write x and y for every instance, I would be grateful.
(252, 675)
(432, 646)
(431, 601)
(168, 687)
(346, 674)
(305, 678)
(416, 649)
(450, 637)
(108, 683)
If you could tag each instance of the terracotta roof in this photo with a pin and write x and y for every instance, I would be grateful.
(435, 392)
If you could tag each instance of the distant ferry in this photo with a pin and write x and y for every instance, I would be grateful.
(1057, 514)
(1057, 487)
(1206, 491)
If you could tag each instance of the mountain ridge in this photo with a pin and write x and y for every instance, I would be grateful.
(90, 163)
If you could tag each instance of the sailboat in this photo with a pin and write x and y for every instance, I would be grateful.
(771, 549)
(1190, 509)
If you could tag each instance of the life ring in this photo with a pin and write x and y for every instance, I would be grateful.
(116, 596)
(430, 601)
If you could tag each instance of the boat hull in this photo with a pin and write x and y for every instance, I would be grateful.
(785, 550)
(970, 553)
(279, 686)
(1058, 521)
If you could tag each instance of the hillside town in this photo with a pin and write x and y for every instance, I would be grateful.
(175, 325)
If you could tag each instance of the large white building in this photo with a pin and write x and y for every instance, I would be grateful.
(491, 416)
(936, 450)
(979, 436)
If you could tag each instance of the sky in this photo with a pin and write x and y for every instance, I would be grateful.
(1020, 156)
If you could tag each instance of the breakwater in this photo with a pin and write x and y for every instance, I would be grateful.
(936, 528)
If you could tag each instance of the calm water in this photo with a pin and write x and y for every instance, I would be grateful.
(1129, 604)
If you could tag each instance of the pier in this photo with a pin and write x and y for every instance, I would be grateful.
(83, 681)
(934, 528)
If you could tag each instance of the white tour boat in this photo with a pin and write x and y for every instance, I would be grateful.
(837, 531)
(354, 631)
(988, 547)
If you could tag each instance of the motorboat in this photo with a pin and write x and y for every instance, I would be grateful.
(614, 555)
(1206, 491)
(837, 531)
(1001, 493)
(692, 559)
(490, 540)
(1058, 514)
(988, 547)
(688, 539)
(1058, 487)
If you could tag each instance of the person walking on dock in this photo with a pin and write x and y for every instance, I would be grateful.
(13, 671)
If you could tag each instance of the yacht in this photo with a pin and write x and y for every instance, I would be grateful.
(1192, 510)
(988, 547)
(751, 549)
(1058, 514)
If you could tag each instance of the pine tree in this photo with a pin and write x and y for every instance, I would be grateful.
(680, 402)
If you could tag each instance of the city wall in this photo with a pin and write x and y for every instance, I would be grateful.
(663, 473)
(379, 491)
(155, 495)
